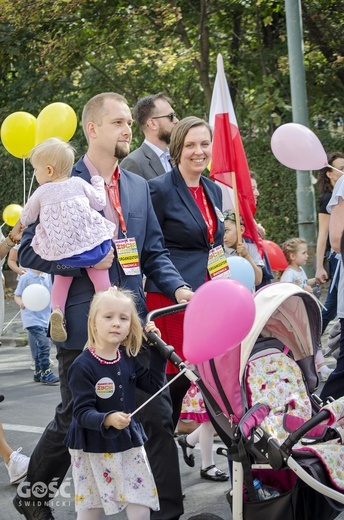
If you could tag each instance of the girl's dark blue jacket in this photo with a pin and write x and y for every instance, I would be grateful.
(87, 431)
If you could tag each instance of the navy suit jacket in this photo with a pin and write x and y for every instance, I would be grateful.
(183, 226)
(155, 262)
(143, 161)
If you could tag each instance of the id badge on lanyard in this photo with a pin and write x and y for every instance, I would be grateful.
(128, 255)
(217, 263)
(126, 248)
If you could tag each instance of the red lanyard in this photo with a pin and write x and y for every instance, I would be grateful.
(208, 220)
(114, 197)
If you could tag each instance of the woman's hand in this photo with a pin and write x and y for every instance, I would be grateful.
(15, 235)
(321, 275)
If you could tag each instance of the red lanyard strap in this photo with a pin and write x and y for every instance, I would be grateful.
(114, 197)
(208, 220)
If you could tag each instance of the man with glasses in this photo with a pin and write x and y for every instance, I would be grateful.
(155, 116)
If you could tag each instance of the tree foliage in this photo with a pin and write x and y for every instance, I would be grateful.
(69, 50)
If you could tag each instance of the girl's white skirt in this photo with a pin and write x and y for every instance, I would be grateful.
(113, 480)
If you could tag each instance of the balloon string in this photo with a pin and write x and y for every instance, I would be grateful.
(159, 391)
(24, 183)
(33, 176)
(8, 324)
(333, 168)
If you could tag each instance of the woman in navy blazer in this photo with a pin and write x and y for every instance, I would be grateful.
(188, 206)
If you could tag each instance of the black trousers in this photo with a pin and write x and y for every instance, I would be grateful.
(50, 459)
(162, 451)
(178, 389)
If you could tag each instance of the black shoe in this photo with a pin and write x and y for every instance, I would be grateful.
(2, 397)
(183, 443)
(34, 510)
(220, 476)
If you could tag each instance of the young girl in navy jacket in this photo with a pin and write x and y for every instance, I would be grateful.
(110, 467)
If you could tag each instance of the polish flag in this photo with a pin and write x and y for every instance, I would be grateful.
(229, 155)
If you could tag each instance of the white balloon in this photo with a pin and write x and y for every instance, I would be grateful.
(297, 147)
(36, 297)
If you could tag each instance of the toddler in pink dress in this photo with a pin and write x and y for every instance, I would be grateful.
(71, 231)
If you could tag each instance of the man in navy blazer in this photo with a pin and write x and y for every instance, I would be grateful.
(155, 117)
(107, 126)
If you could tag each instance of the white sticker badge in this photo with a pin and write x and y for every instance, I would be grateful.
(105, 388)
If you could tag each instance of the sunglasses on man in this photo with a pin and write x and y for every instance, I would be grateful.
(170, 116)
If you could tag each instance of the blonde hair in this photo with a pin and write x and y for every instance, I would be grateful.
(291, 247)
(56, 153)
(95, 110)
(134, 339)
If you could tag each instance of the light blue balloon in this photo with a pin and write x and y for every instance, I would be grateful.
(242, 271)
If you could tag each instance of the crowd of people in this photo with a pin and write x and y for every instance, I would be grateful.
(156, 207)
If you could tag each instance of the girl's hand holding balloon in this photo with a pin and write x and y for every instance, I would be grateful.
(118, 420)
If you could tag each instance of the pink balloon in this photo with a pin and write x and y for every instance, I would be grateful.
(218, 317)
(297, 147)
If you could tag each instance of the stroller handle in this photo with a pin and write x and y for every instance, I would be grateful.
(166, 311)
(297, 435)
(167, 351)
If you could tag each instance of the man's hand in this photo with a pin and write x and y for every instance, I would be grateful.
(106, 263)
(183, 294)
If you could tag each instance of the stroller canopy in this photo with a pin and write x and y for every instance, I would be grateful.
(288, 313)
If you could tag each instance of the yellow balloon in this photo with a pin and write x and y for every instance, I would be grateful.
(18, 134)
(11, 214)
(56, 120)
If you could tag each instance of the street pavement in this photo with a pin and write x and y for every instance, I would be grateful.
(27, 409)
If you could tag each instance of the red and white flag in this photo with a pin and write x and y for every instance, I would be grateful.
(229, 154)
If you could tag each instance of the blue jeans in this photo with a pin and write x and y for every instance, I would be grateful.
(331, 298)
(40, 346)
(32, 345)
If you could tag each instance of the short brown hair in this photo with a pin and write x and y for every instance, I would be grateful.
(94, 110)
(145, 108)
(179, 134)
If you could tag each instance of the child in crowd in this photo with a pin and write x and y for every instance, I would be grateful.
(295, 251)
(247, 250)
(194, 409)
(110, 467)
(36, 323)
(70, 231)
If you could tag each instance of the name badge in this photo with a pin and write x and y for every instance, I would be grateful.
(128, 255)
(217, 263)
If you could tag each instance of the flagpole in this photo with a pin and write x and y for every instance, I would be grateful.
(236, 208)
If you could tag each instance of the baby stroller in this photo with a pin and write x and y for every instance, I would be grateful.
(260, 399)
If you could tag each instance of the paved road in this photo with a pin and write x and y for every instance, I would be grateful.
(29, 406)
